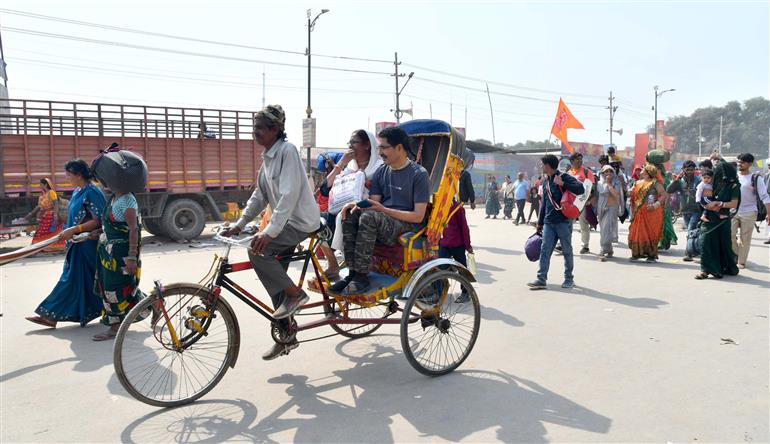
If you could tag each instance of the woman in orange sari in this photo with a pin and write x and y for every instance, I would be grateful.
(647, 197)
(47, 210)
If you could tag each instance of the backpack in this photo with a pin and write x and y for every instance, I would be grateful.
(761, 209)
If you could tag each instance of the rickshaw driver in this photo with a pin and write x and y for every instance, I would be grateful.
(281, 183)
(398, 200)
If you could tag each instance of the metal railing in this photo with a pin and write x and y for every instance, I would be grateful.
(39, 117)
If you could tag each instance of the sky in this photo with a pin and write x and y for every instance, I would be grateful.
(528, 53)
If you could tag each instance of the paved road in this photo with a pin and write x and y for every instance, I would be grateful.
(634, 353)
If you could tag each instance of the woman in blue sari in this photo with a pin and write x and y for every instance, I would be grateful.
(73, 298)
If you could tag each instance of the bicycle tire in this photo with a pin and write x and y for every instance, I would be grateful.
(199, 295)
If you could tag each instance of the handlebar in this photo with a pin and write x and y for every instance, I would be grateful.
(234, 241)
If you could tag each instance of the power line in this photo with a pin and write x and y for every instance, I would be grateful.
(176, 37)
(153, 76)
(180, 52)
(509, 85)
(517, 96)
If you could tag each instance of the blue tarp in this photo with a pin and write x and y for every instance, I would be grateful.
(321, 163)
(426, 126)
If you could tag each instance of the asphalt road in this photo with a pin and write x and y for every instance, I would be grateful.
(636, 352)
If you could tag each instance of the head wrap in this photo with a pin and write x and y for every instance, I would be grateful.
(272, 114)
(651, 171)
(375, 161)
(607, 168)
(48, 182)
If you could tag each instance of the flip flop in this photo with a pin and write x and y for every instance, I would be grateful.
(701, 276)
(41, 321)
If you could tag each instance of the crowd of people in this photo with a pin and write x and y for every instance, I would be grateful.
(374, 192)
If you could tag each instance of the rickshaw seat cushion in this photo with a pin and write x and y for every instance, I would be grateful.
(403, 240)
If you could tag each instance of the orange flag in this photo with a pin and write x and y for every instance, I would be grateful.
(564, 120)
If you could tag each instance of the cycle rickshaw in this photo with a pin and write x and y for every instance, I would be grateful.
(177, 343)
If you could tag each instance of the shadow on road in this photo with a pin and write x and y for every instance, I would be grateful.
(493, 314)
(89, 356)
(484, 273)
(631, 302)
(359, 404)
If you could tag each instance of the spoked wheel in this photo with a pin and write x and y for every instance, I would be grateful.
(181, 352)
(356, 311)
(439, 328)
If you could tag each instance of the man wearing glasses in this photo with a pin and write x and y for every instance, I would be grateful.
(398, 200)
(753, 196)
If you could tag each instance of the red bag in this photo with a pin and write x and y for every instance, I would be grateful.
(568, 208)
(567, 204)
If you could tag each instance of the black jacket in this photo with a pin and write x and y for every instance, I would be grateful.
(467, 194)
(549, 214)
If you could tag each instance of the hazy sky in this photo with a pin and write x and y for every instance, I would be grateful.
(531, 53)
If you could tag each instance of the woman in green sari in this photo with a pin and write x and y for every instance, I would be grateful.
(717, 256)
(118, 267)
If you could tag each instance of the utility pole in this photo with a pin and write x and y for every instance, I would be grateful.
(700, 140)
(308, 123)
(492, 114)
(451, 112)
(397, 112)
(466, 119)
(655, 108)
(263, 87)
(612, 115)
(719, 147)
(430, 105)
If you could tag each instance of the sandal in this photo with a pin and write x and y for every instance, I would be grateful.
(105, 336)
(701, 276)
(45, 322)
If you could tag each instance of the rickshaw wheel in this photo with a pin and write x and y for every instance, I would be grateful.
(438, 329)
(356, 311)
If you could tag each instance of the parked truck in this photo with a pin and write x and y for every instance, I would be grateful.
(200, 161)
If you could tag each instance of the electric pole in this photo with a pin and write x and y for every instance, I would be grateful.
(612, 114)
(492, 114)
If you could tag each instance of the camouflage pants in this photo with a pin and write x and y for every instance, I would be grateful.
(361, 230)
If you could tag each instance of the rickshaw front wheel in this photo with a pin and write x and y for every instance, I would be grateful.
(440, 323)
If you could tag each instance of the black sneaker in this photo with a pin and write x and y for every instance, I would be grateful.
(280, 349)
(687, 259)
(360, 284)
(341, 284)
(584, 250)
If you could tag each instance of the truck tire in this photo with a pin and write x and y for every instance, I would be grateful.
(154, 226)
(183, 219)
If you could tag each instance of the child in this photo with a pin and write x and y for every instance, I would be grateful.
(704, 194)
(455, 241)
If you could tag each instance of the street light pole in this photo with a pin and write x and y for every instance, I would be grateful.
(309, 110)
(655, 108)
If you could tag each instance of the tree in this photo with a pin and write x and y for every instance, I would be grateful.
(745, 127)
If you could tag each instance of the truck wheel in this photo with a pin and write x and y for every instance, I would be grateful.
(183, 219)
(154, 226)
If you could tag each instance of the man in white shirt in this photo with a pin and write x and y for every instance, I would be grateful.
(751, 186)
(282, 184)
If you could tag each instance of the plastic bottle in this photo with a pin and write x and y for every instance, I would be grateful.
(650, 200)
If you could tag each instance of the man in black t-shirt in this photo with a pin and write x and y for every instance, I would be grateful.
(398, 200)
